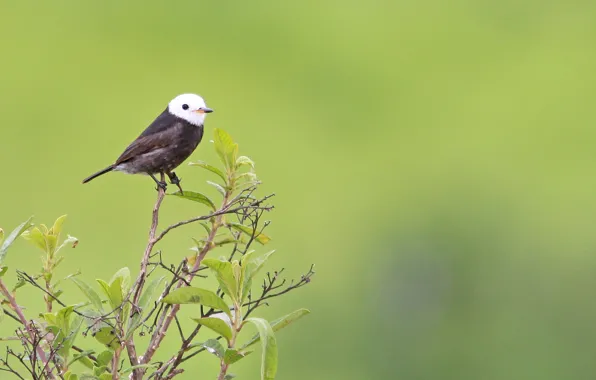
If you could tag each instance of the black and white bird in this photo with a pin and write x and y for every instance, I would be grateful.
(166, 143)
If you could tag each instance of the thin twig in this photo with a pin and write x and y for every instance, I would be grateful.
(80, 350)
(222, 211)
(30, 329)
(165, 321)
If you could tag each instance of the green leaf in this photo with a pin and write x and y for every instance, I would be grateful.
(229, 376)
(149, 293)
(211, 168)
(83, 358)
(20, 283)
(50, 318)
(105, 376)
(214, 347)
(250, 267)
(87, 376)
(3, 271)
(86, 362)
(228, 240)
(216, 324)
(63, 318)
(116, 292)
(57, 227)
(196, 197)
(237, 271)
(130, 369)
(231, 355)
(113, 291)
(249, 177)
(104, 286)
(60, 325)
(89, 293)
(71, 376)
(225, 147)
(106, 336)
(225, 277)
(51, 242)
(105, 357)
(269, 345)
(124, 274)
(71, 335)
(1, 236)
(36, 237)
(218, 187)
(279, 324)
(97, 371)
(12, 236)
(261, 238)
(206, 227)
(243, 160)
(260, 261)
(205, 297)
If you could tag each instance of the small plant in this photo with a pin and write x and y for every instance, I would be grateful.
(57, 342)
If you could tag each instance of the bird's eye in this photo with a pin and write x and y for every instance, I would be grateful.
(185, 106)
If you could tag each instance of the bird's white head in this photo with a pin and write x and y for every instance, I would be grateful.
(190, 107)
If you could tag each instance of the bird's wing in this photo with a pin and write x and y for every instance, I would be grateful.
(160, 124)
(148, 142)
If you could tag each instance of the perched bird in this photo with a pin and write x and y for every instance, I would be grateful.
(166, 143)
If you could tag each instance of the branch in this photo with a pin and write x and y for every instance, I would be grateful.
(30, 329)
(165, 321)
(224, 210)
(151, 242)
(140, 281)
(269, 286)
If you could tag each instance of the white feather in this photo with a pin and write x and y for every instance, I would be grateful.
(194, 103)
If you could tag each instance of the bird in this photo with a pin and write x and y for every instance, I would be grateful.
(165, 143)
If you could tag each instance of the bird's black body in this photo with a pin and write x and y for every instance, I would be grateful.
(164, 145)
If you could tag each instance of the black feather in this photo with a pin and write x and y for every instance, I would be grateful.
(103, 171)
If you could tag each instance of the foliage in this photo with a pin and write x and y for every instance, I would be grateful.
(117, 313)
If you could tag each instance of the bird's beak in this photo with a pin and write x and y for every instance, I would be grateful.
(204, 110)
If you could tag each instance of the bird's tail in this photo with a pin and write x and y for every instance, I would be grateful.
(104, 171)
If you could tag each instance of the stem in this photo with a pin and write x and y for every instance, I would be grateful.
(115, 363)
(47, 297)
(165, 321)
(140, 281)
(223, 210)
(28, 327)
(236, 326)
(150, 243)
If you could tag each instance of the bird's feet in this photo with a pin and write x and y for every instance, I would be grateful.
(175, 181)
(161, 185)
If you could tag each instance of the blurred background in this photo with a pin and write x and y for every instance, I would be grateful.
(434, 160)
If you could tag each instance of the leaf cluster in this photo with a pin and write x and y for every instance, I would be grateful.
(118, 312)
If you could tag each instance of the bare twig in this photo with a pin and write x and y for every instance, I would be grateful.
(9, 369)
(28, 326)
(164, 323)
(270, 285)
(223, 210)
(11, 315)
(80, 350)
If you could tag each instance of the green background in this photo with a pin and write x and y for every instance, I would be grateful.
(434, 159)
